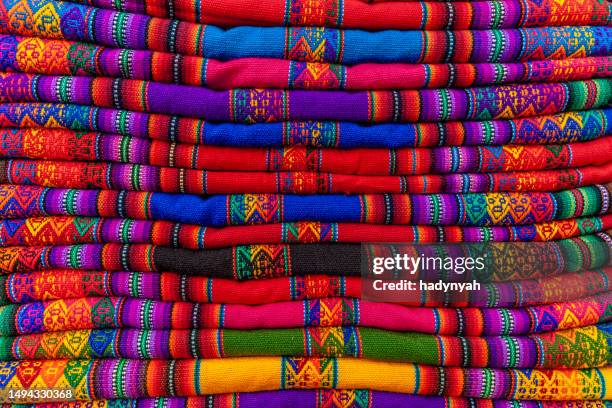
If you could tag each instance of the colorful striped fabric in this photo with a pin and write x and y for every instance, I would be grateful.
(246, 209)
(54, 144)
(136, 177)
(311, 44)
(196, 197)
(115, 312)
(576, 348)
(553, 129)
(283, 260)
(66, 230)
(55, 57)
(321, 398)
(150, 378)
(269, 105)
(71, 284)
(379, 15)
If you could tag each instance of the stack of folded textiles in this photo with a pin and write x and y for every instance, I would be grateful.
(184, 187)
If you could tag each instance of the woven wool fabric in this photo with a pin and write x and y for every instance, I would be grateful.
(377, 16)
(577, 348)
(273, 105)
(71, 284)
(246, 209)
(312, 44)
(321, 398)
(193, 193)
(64, 145)
(62, 230)
(132, 177)
(90, 378)
(114, 312)
(270, 261)
(55, 57)
(553, 129)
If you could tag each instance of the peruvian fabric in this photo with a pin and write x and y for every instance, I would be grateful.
(137, 177)
(270, 105)
(65, 20)
(116, 312)
(54, 144)
(245, 209)
(63, 230)
(190, 377)
(193, 194)
(71, 284)
(47, 56)
(255, 262)
(320, 398)
(378, 16)
(548, 129)
(575, 348)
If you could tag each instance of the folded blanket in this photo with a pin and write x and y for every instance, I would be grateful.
(55, 57)
(275, 105)
(321, 398)
(136, 177)
(448, 209)
(65, 230)
(65, 145)
(554, 129)
(270, 261)
(377, 16)
(89, 379)
(71, 284)
(476, 209)
(114, 312)
(585, 347)
(183, 205)
(313, 44)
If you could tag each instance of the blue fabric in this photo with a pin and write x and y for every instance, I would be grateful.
(329, 134)
(243, 42)
(383, 46)
(333, 134)
(214, 211)
(608, 115)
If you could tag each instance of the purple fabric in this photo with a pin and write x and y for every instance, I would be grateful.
(254, 106)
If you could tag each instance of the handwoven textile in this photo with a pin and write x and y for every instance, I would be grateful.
(553, 129)
(135, 177)
(89, 378)
(259, 261)
(270, 105)
(214, 203)
(321, 398)
(311, 44)
(55, 144)
(54, 57)
(360, 14)
(576, 348)
(62, 230)
(71, 284)
(485, 209)
(109, 312)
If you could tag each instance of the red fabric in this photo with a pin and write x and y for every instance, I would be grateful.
(65, 230)
(55, 144)
(95, 175)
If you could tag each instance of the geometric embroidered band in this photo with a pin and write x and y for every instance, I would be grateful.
(89, 379)
(476, 209)
(33, 56)
(64, 145)
(277, 105)
(554, 129)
